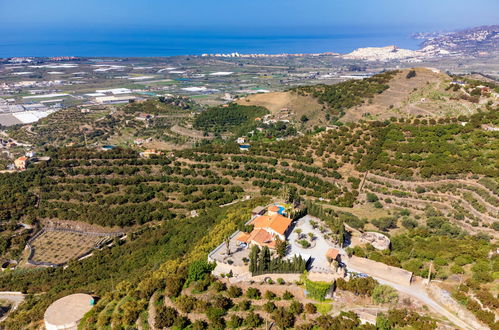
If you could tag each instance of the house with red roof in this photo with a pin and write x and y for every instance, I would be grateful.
(267, 228)
(21, 163)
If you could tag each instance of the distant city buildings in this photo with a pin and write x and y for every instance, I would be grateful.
(236, 54)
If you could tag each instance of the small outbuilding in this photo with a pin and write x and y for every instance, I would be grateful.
(333, 254)
(67, 312)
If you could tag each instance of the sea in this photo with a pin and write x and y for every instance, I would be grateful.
(172, 42)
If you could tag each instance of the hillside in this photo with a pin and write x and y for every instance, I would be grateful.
(299, 105)
(429, 179)
(120, 125)
(426, 94)
(479, 41)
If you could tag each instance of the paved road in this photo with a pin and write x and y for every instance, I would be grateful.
(420, 294)
(16, 298)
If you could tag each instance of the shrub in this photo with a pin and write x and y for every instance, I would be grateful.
(165, 317)
(371, 198)
(358, 285)
(234, 291)
(304, 243)
(409, 223)
(310, 308)
(215, 314)
(296, 307)
(420, 190)
(253, 293)
(181, 322)
(253, 320)
(198, 269)
(222, 302)
(384, 294)
(283, 318)
(244, 305)
(280, 281)
(385, 223)
(186, 303)
(199, 325)
(202, 285)
(173, 286)
(235, 322)
(218, 286)
(269, 295)
(269, 307)
(411, 74)
(287, 295)
(456, 269)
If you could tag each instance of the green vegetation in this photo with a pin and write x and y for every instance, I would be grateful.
(408, 165)
(445, 245)
(231, 118)
(342, 96)
(316, 289)
(403, 318)
(261, 262)
(131, 269)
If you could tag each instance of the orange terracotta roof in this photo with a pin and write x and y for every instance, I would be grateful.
(261, 236)
(274, 208)
(332, 253)
(243, 237)
(276, 222)
(23, 158)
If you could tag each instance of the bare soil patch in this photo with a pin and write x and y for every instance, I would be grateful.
(298, 104)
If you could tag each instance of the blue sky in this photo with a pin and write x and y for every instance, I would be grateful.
(252, 15)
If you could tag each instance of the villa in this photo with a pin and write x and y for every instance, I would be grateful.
(21, 163)
(267, 228)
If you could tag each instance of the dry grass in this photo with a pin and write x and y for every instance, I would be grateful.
(366, 211)
(423, 95)
(59, 246)
(299, 105)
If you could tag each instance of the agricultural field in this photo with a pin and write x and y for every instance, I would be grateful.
(115, 125)
(58, 247)
(420, 181)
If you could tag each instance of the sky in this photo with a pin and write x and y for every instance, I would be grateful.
(253, 16)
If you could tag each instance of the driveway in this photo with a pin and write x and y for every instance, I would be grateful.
(319, 248)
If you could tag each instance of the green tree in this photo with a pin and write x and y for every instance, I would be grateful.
(255, 252)
(384, 294)
(198, 269)
(283, 318)
(281, 247)
(165, 317)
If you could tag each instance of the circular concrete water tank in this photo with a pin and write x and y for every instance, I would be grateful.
(67, 312)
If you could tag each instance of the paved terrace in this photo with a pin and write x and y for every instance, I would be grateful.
(319, 247)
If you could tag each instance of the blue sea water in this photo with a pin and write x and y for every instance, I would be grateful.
(154, 42)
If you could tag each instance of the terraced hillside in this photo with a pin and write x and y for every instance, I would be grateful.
(411, 166)
(118, 125)
(408, 93)
(435, 183)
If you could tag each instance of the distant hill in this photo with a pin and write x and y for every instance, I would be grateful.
(474, 41)
(426, 92)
